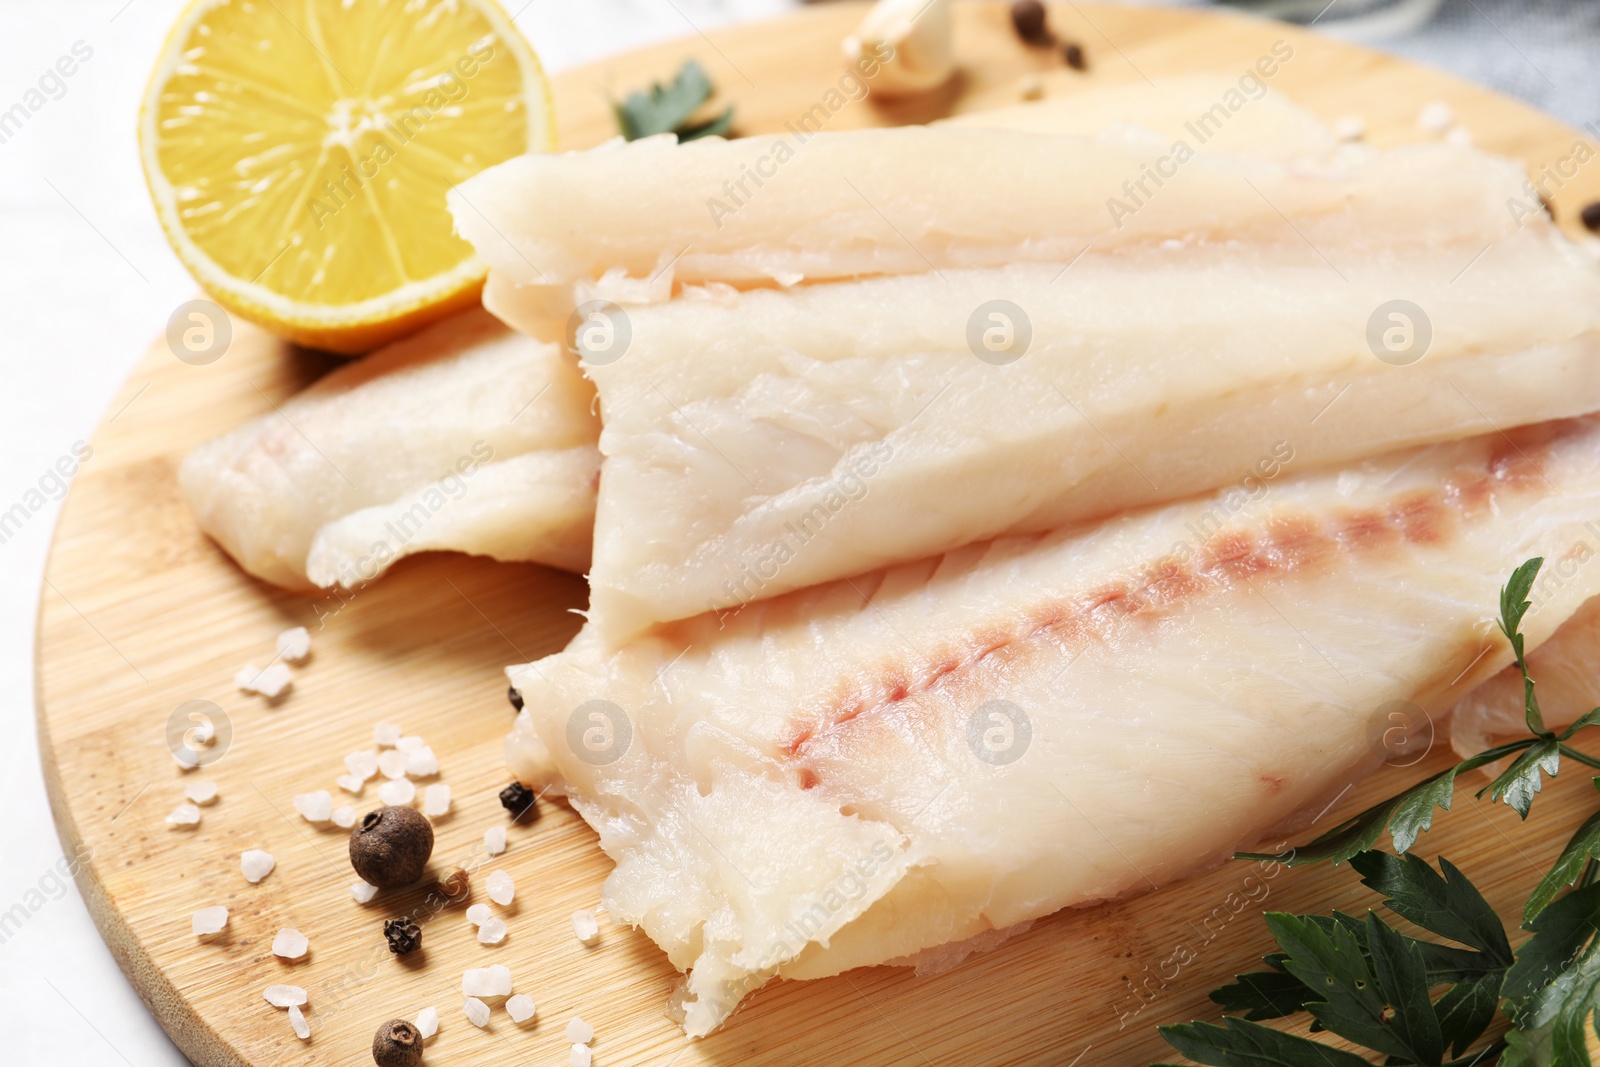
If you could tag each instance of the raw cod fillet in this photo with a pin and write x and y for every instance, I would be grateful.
(1565, 671)
(910, 199)
(856, 773)
(466, 437)
(763, 441)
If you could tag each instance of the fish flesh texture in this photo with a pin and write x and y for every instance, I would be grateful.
(757, 442)
(859, 772)
(466, 437)
(787, 208)
(1565, 671)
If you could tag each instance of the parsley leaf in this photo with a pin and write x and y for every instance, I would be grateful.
(1581, 848)
(667, 108)
(1442, 903)
(1245, 1044)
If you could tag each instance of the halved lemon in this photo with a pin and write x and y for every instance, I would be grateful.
(299, 152)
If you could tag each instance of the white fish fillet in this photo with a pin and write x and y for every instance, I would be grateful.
(467, 437)
(824, 781)
(910, 199)
(763, 441)
(1565, 671)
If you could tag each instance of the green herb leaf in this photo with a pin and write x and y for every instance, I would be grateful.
(1245, 1044)
(1560, 933)
(1584, 844)
(1552, 1022)
(667, 108)
(1587, 719)
(1466, 1011)
(1522, 781)
(1446, 904)
(1513, 606)
(1264, 994)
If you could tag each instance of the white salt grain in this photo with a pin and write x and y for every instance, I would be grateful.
(494, 840)
(350, 783)
(436, 800)
(270, 683)
(477, 1012)
(1436, 117)
(409, 744)
(502, 890)
(392, 763)
(245, 678)
(1350, 128)
(521, 1008)
(201, 792)
(294, 645)
(184, 815)
(344, 817)
(492, 981)
(1459, 136)
(285, 996)
(428, 1022)
(297, 1019)
(289, 943)
(208, 921)
(256, 864)
(581, 1056)
(478, 914)
(585, 926)
(397, 792)
(579, 1032)
(314, 807)
(363, 764)
(363, 892)
(492, 931)
(422, 763)
(386, 735)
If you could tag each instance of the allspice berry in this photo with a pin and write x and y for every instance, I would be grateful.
(397, 1044)
(1031, 21)
(390, 847)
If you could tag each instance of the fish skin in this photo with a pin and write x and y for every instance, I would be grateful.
(466, 408)
(759, 442)
(816, 782)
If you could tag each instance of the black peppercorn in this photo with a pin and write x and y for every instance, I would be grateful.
(397, 1044)
(403, 935)
(390, 847)
(1073, 54)
(1591, 216)
(517, 799)
(1028, 18)
(515, 698)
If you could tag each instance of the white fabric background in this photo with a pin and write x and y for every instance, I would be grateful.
(86, 282)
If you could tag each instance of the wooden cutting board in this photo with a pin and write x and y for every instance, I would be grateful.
(140, 614)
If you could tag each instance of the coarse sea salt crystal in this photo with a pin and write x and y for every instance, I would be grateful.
(386, 735)
(344, 816)
(502, 890)
(492, 981)
(1350, 128)
(314, 807)
(477, 1011)
(494, 840)
(297, 1019)
(290, 943)
(581, 1056)
(350, 783)
(184, 814)
(363, 893)
(1459, 136)
(409, 744)
(1436, 117)
(294, 645)
(422, 763)
(256, 864)
(397, 792)
(585, 926)
(492, 931)
(208, 921)
(436, 800)
(363, 764)
(478, 914)
(392, 763)
(521, 1008)
(578, 1031)
(201, 792)
(285, 996)
(270, 683)
(428, 1022)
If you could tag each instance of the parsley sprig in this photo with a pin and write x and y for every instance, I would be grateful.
(668, 108)
(1362, 980)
